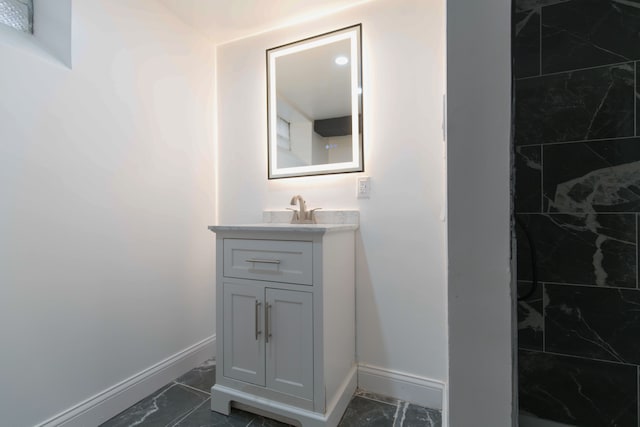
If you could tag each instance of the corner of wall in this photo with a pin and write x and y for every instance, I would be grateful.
(52, 27)
(51, 38)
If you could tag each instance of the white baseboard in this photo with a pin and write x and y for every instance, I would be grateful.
(411, 388)
(110, 402)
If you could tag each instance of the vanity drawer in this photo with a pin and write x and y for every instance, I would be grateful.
(271, 260)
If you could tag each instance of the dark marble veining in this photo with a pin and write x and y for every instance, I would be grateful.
(365, 412)
(528, 195)
(588, 33)
(577, 391)
(530, 317)
(163, 408)
(526, 43)
(523, 5)
(182, 404)
(590, 248)
(574, 106)
(412, 415)
(577, 190)
(597, 323)
(599, 176)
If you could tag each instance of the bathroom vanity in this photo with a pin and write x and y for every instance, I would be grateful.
(285, 318)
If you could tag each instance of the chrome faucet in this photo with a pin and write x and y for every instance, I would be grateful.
(302, 216)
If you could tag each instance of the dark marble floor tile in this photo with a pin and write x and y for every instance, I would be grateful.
(181, 404)
(203, 416)
(577, 391)
(363, 412)
(597, 323)
(589, 33)
(523, 5)
(526, 44)
(528, 192)
(530, 320)
(414, 416)
(165, 407)
(203, 377)
(575, 106)
(599, 176)
(592, 249)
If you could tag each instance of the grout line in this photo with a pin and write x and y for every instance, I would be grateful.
(584, 285)
(395, 416)
(541, 179)
(540, 47)
(192, 388)
(398, 401)
(573, 356)
(189, 413)
(575, 213)
(544, 319)
(556, 73)
(578, 141)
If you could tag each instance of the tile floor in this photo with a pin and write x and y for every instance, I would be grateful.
(185, 402)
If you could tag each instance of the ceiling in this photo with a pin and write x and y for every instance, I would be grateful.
(311, 82)
(226, 20)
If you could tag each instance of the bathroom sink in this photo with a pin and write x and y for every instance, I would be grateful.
(284, 227)
(280, 221)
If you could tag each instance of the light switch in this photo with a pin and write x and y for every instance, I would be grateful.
(364, 187)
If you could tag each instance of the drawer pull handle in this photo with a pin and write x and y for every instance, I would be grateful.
(258, 331)
(264, 261)
(267, 326)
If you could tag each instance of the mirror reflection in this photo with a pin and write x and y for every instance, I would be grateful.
(314, 105)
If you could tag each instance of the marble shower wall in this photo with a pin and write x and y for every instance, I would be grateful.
(577, 160)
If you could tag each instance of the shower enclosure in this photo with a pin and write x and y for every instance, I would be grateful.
(577, 195)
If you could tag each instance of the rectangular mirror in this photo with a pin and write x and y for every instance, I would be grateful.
(314, 105)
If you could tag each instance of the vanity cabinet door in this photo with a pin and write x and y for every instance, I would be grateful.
(289, 341)
(243, 335)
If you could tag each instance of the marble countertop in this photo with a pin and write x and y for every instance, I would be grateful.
(284, 227)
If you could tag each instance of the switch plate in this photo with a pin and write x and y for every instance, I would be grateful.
(363, 189)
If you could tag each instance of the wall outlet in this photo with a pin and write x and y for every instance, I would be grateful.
(363, 189)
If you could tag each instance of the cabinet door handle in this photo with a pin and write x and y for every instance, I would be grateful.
(258, 331)
(267, 324)
(263, 261)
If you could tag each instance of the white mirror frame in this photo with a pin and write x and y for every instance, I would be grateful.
(353, 34)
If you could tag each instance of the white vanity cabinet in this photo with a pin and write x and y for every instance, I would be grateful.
(285, 320)
(268, 337)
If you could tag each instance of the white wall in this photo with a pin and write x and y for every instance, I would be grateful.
(106, 189)
(478, 153)
(343, 151)
(401, 287)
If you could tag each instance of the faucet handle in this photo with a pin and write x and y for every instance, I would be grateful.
(311, 215)
(295, 218)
